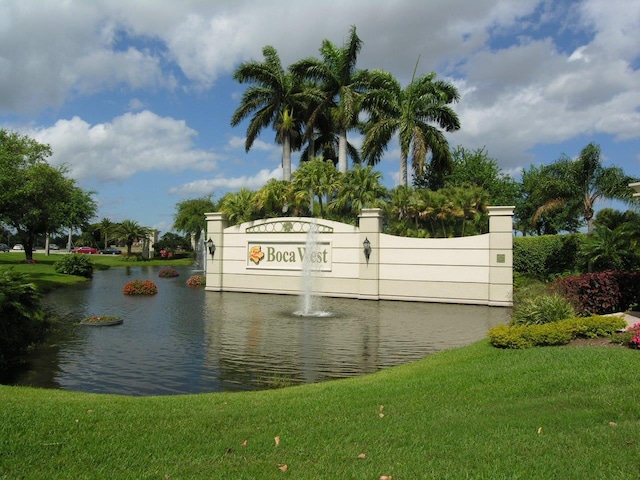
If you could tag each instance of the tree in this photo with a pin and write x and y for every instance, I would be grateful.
(275, 98)
(318, 178)
(36, 198)
(361, 189)
(342, 87)
(579, 183)
(410, 112)
(189, 217)
(275, 198)
(106, 228)
(240, 206)
(131, 231)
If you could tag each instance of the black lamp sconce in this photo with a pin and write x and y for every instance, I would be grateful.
(367, 249)
(212, 247)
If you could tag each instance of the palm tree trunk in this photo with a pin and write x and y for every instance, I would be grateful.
(342, 151)
(403, 171)
(286, 158)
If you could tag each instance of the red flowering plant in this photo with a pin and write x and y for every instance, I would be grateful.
(168, 272)
(635, 336)
(196, 281)
(140, 287)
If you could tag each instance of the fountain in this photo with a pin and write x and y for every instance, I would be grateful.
(309, 278)
(200, 262)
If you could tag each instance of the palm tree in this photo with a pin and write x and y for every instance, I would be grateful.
(410, 112)
(275, 98)
(275, 198)
(318, 177)
(578, 184)
(342, 86)
(362, 189)
(131, 231)
(106, 227)
(240, 206)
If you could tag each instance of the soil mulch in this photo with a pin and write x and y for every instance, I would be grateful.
(594, 342)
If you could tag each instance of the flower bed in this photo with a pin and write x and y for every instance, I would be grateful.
(140, 287)
(168, 273)
(196, 281)
(102, 321)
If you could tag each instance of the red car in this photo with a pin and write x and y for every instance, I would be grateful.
(89, 250)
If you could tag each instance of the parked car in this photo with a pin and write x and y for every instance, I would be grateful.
(111, 251)
(4, 247)
(53, 246)
(18, 246)
(89, 250)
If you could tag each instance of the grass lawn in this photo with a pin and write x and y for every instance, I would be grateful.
(45, 277)
(475, 412)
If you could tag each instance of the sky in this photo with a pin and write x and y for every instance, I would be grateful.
(135, 97)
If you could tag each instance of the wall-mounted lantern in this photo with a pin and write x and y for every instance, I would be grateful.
(367, 249)
(212, 247)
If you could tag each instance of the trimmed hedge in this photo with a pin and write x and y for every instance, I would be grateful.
(556, 333)
(543, 257)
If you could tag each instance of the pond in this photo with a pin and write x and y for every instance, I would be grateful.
(186, 340)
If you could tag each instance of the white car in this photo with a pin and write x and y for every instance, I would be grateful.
(18, 246)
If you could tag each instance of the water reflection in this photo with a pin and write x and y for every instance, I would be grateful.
(187, 341)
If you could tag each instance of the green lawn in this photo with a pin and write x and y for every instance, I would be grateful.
(45, 277)
(475, 412)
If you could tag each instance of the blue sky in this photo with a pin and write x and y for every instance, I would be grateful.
(136, 96)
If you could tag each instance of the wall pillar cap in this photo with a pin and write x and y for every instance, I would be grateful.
(501, 210)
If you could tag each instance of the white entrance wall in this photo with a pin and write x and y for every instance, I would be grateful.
(267, 256)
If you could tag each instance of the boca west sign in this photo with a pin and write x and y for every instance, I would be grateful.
(288, 256)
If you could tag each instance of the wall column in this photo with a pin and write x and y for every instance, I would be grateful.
(216, 223)
(370, 224)
(501, 256)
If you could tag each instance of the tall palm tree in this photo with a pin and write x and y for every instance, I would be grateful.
(410, 112)
(579, 183)
(275, 98)
(342, 86)
(130, 231)
(106, 227)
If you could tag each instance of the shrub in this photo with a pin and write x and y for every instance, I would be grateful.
(75, 264)
(542, 309)
(556, 333)
(630, 337)
(140, 287)
(602, 292)
(546, 256)
(168, 273)
(22, 319)
(196, 281)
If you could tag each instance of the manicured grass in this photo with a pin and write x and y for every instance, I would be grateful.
(475, 412)
(45, 277)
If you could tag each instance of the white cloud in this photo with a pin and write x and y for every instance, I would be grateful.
(131, 143)
(222, 184)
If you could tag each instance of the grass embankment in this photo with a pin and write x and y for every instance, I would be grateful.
(475, 412)
(45, 277)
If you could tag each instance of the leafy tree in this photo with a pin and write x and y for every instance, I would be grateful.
(342, 87)
(36, 198)
(411, 112)
(275, 198)
(275, 98)
(240, 206)
(578, 184)
(189, 218)
(131, 231)
(106, 228)
(361, 189)
(318, 178)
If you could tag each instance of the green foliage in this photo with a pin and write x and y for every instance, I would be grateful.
(555, 333)
(544, 257)
(542, 309)
(22, 319)
(140, 287)
(189, 218)
(75, 264)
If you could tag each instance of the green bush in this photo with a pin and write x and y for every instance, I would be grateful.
(556, 333)
(546, 256)
(75, 264)
(542, 309)
(22, 319)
